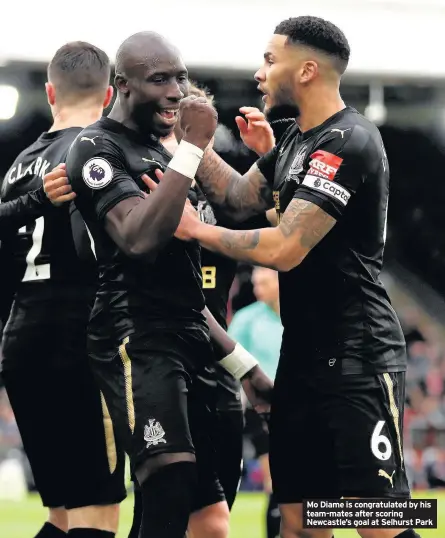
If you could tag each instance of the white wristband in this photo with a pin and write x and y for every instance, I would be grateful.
(186, 159)
(239, 362)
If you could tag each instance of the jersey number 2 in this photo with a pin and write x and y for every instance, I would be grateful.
(33, 271)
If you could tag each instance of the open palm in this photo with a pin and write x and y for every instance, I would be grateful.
(255, 131)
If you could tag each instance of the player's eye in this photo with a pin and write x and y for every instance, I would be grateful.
(182, 79)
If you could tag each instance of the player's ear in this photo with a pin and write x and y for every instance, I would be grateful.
(108, 96)
(121, 83)
(50, 93)
(309, 71)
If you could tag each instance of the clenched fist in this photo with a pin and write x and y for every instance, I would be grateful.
(198, 121)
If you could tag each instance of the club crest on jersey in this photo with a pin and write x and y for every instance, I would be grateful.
(297, 165)
(276, 199)
(97, 173)
(205, 213)
(154, 433)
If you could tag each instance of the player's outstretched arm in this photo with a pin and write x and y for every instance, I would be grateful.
(282, 248)
(238, 196)
(241, 364)
(24, 209)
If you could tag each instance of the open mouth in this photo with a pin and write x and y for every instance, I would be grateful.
(168, 115)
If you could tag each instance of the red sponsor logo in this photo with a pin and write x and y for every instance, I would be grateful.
(324, 164)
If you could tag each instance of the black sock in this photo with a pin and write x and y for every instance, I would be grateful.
(137, 514)
(409, 533)
(50, 531)
(167, 497)
(273, 518)
(89, 533)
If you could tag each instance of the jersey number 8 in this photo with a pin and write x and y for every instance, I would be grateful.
(208, 277)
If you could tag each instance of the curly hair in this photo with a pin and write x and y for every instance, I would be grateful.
(320, 35)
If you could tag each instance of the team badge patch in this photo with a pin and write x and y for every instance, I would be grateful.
(97, 173)
(154, 433)
(205, 213)
(297, 165)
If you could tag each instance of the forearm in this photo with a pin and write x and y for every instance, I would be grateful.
(223, 344)
(229, 353)
(259, 247)
(153, 221)
(238, 196)
(25, 208)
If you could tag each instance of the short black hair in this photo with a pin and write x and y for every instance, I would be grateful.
(317, 34)
(79, 69)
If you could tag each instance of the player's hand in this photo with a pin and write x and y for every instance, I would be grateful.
(198, 121)
(56, 186)
(190, 217)
(255, 131)
(258, 388)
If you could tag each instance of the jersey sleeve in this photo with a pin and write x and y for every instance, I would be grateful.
(267, 163)
(338, 166)
(24, 209)
(96, 169)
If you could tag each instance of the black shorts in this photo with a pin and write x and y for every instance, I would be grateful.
(158, 403)
(67, 435)
(337, 436)
(229, 450)
(66, 431)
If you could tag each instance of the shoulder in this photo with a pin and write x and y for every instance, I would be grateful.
(94, 139)
(93, 156)
(352, 139)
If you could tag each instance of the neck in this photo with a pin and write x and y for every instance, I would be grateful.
(77, 116)
(118, 113)
(318, 106)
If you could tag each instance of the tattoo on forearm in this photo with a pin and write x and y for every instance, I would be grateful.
(240, 240)
(311, 221)
(222, 185)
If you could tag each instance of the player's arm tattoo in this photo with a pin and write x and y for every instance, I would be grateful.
(239, 196)
(302, 227)
(308, 220)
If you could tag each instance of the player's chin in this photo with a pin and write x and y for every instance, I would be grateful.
(164, 126)
(267, 103)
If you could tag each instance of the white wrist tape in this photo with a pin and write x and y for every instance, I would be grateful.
(186, 159)
(239, 362)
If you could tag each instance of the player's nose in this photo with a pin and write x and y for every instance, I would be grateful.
(260, 75)
(174, 92)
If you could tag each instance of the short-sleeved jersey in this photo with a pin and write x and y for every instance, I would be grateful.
(43, 250)
(105, 165)
(51, 286)
(333, 305)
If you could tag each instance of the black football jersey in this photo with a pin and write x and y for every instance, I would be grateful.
(43, 249)
(50, 285)
(105, 165)
(333, 306)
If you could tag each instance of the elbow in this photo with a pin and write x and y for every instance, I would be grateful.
(284, 263)
(137, 250)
